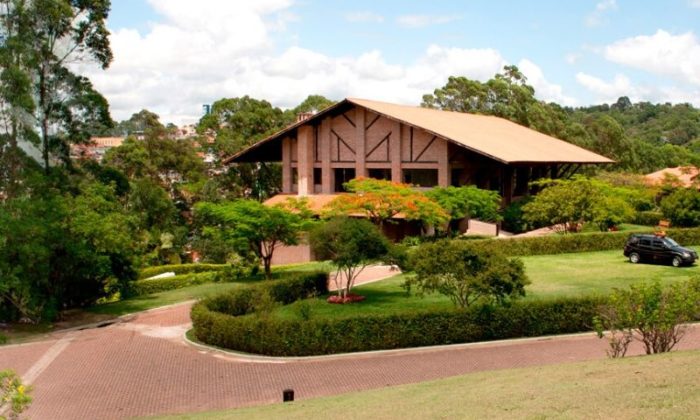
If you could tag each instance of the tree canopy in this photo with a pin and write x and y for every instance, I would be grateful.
(381, 200)
(351, 245)
(250, 227)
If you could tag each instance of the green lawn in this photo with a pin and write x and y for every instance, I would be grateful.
(659, 386)
(623, 227)
(141, 303)
(551, 276)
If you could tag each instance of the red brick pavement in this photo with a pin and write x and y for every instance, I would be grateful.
(143, 367)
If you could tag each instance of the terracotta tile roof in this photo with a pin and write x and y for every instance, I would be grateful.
(684, 175)
(316, 202)
(494, 137)
(107, 141)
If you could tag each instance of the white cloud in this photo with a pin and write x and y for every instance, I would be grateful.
(662, 53)
(597, 17)
(364, 17)
(544, 89)
(608, 91)
(419, 21)
(572, 58)
(694, 3)
(621, 85)
(195, 56)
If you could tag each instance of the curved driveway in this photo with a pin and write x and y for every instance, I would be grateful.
(142, 366)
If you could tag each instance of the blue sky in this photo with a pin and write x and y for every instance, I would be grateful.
(172, 56)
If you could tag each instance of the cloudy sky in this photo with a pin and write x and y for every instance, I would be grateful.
(173, 56)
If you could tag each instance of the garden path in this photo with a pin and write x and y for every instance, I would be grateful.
(142, 366)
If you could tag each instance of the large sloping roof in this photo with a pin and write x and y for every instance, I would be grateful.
(494, 137)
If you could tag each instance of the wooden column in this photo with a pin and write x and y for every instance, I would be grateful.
(305, 159)
(507, 180)
(287, 165)
(443, 163)
(360, 143)
(325, 146)
(395, 151)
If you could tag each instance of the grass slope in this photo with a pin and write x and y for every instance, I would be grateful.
(659, 386)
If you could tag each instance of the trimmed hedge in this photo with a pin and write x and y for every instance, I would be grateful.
(293, 287)
(579, 242)
(179, 269)
(146, 287)
(295, 337)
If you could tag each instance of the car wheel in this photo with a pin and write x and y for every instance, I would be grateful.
(676, 261)
(634, 258)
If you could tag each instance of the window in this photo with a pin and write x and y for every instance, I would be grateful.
(318, 179)
(380, 173)
(343, 175)
(645, 242)
(421, 177)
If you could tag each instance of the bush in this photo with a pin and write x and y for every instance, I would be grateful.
(561, 244)
(293, 287)
(314, 336)
(146, 287)
(647, 218)
(682, 207)
(650, 314)
(179, 269)
(513, 219)
(14, 396)
(465, 273)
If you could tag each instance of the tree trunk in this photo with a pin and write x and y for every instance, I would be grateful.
(44, 121)
(267, 263)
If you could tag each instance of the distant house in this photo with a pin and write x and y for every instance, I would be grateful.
(680, 176)
(420, 146)
(96, 148)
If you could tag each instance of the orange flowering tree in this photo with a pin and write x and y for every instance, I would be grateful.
(381, 200)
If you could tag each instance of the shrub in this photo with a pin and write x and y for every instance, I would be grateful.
(682, 207)
(179, 269)
(513, 219)
(647, 218)
(302, 337)
(465, 273)
(650, 314)
(146, 287)
(14, 397)
(293, 287)
(561, 244)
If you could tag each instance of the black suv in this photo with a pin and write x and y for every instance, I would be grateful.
(659, 249)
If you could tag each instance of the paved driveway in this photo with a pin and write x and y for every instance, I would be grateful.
(142, 366)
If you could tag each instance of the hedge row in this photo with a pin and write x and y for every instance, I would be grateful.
(146, 287)
(580, 242)
(179, 269)
(296, 337)
(293, 287)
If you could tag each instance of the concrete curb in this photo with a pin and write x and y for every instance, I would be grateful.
(255, 358)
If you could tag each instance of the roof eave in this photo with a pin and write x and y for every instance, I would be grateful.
(233, 158)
